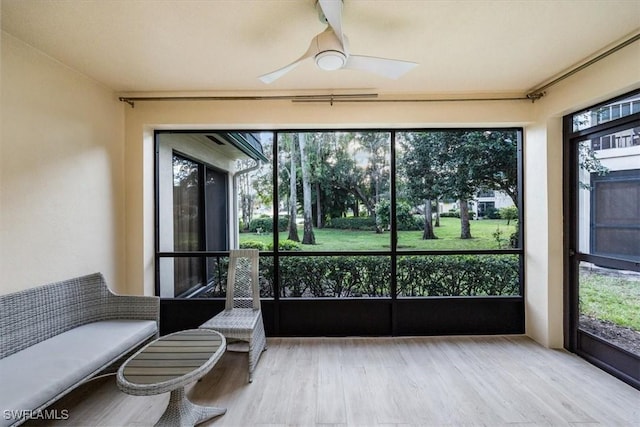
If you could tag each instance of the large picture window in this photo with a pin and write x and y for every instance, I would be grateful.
(373, 215)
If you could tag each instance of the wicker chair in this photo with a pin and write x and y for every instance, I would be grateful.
(241, 320)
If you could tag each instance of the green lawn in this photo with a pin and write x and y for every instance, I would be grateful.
(448, 237)
(615, 299)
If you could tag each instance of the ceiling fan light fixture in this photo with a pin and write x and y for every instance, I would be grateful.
(331, 60)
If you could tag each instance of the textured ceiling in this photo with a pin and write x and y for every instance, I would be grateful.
(463, 47)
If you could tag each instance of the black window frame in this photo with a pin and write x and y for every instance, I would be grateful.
(404, 316)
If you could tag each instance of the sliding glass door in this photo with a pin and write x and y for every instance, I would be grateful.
(602, 145)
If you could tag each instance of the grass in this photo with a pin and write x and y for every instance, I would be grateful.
(611, 298)
(448, 237)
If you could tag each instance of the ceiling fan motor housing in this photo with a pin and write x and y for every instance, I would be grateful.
(330, 60)
(331, 54)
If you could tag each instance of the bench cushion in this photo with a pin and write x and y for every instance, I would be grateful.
(36, 374)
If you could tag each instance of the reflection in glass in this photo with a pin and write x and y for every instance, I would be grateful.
(609, 301)
(609, 196)
(186, 223)
(606, 113)
(255, 198)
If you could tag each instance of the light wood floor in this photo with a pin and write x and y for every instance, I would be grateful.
(431, 381)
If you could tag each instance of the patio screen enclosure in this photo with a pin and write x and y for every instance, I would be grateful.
(360, 231)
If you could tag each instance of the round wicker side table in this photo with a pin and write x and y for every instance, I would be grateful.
(170, 363)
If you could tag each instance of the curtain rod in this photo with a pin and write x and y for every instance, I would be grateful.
(538, 92)
(533, 95)
(330, 98)
(310, 98)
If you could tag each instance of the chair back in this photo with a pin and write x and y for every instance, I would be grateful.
(243, 289)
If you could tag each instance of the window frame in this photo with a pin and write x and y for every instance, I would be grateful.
(386, 315)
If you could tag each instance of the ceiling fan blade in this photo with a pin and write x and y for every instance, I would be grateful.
(390, 68)
(332, 10)
(275, 75)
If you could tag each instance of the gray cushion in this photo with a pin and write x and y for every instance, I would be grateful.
(38, 373)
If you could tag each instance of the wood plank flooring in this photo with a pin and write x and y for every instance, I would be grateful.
(399, 381)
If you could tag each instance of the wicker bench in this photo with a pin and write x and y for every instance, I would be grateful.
(57, 336)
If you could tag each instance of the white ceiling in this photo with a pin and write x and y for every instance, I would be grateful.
(222, 46)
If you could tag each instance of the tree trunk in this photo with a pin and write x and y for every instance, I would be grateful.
(319, 221)
(245, 201)
(428, 233)
(437, 213)
(308, 238)
(465, 227)
(293, 200)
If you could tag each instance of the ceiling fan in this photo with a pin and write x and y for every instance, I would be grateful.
(330, 50)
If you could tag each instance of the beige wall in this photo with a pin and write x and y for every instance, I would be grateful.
(617, 74)
(61, 171)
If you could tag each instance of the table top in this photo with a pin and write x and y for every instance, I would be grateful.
(171, 361)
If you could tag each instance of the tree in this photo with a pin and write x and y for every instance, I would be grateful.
(375, 145)
(495, 160)
(308, 238)
(509, 213)
(247, 194)
(355, 171)
(293, 202)
(262, 178)
(460, 179)
(456, 164)
(589, 162)
(422, 169)
(479, 159)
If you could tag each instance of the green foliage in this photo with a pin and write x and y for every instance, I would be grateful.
(450, 214)
(331, 239)
(456, 214)
(509, 213)
(458, 275)
(492, 213)
(416, 224)
(514, 238)
(456, 163)
(610, 298)
(498, 235)
(265, 224)
(252, 244)
(406, 221)
(364, 223)
(370, 276)
(383, 214)
(589, 162)
(360, 276)
(286, 245)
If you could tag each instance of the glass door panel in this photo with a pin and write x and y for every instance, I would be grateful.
(608, 226)
(609, 303)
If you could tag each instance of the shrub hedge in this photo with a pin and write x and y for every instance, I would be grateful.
(458, 275)
(370, 276)
(265, 224)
